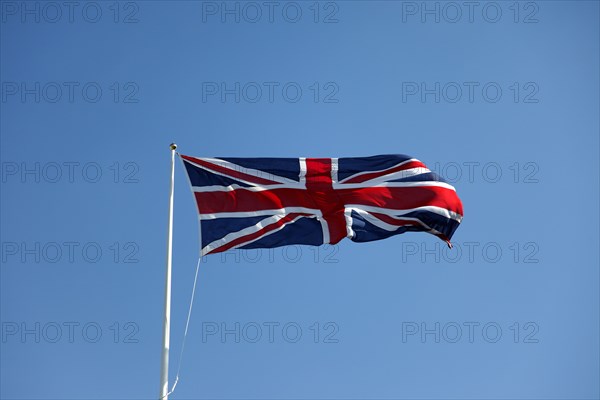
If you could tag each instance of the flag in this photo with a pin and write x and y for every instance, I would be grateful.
(250, 203)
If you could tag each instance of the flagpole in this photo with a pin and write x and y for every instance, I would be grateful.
(164, 364)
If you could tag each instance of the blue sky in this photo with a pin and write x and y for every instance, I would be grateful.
(501, 98)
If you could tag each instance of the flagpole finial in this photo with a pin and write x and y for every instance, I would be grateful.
(172, 146)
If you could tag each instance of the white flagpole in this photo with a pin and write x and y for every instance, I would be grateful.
(164, 365)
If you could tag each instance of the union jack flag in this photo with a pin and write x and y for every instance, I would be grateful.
(250, 203)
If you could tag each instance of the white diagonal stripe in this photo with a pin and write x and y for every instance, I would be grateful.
(407, 173)
(247, 231)
(238, 168)
(392, 212)
(384, 225)
(275, 211)
(379, 171)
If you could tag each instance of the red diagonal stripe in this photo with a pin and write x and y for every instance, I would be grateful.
(269, 228)
(372, 175)
(395, 221)
(230, 172)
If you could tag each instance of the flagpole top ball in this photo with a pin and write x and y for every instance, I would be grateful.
(172, 146)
